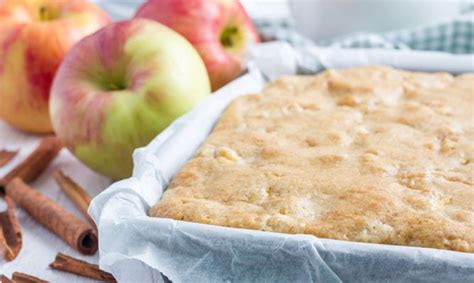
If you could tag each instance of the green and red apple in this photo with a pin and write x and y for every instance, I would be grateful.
(34, 37)
(118, 88)
(220, 30)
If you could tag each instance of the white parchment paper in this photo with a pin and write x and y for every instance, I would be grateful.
(135, 247)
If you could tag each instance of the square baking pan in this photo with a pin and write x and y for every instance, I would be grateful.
(138, 247)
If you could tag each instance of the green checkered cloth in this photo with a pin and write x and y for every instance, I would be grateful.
(454, 36)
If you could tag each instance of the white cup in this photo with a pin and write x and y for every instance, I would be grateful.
(327, 19)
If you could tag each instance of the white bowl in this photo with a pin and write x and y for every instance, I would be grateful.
(327, 19)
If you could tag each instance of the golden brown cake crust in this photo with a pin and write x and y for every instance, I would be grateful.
(369, 154)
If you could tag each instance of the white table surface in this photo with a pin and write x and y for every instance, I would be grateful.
(39, 245)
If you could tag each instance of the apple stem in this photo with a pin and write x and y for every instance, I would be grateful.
(43, 11)
(227, 36)
(47, 13)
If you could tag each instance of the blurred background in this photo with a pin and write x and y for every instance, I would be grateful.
(436, 25)
(273, 9)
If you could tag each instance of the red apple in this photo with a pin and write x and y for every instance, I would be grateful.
(220, 30)
(34, 37)
(120, 87)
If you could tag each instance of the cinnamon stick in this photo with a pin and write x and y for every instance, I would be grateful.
(5, 279)
(75, 193)
(36, 162)
(79, 267)
(6, 156)
(75, 232)
(19, 277)
(10, 229)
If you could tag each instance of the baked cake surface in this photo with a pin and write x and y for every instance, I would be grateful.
(369, 154)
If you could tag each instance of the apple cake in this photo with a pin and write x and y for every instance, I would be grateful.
(369, 154)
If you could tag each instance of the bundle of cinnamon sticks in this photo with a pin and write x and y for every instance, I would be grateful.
(14, 191)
